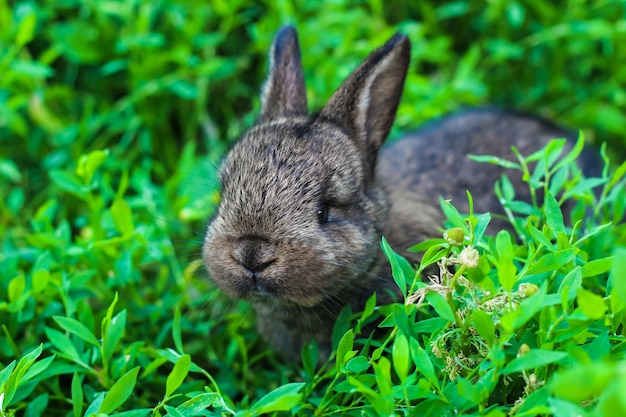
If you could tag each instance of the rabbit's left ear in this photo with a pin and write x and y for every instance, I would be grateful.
(366, 103)
(284, 93)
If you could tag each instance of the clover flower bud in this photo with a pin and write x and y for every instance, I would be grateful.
(526, 289)
(523, 349)
(454, 236)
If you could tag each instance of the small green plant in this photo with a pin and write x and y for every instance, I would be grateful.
(525, 323)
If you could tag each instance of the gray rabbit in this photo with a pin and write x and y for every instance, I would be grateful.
(306, 198)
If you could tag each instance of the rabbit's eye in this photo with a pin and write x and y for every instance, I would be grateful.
(322, 213)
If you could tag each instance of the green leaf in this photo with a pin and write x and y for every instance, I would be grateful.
(368, 310)
(16, 288)
(540, 236)
(423, 363)
(6, 373)
(467, 390)
(522, 207)
(554, 149)
(401, 356)
(63, 344)
(452, 214)
(32, 69)
(533, 359)
(176, 330)
(483, 323)
(600, 347)
(402, 320)
(593, 232)
(552, 261)
(558, 180)
(68, 182)
(590, 304)
(513, 320)
(382, 371)
(95, 404)
(573, 154)
(114, 328)
(26, 28)
(197, 404)
(572, 282)
(40, 280)
(184, 89)
(582, 382)
(172, 412)
(77, 328)
(583, 186)
(617, 176)
(358, 364)
(432, 255)
(495, 161)
(480, 228)
(37, 406)
(77, 395)
(535, 403)
(283, 398)
(15, 378)
(553, 213)
(440, 305)
(140, 412)
(122, 216)
(508, 191)
(561, 408)
(119, 392)
(506, 268)
(88, 164)
(427, 244)
(597, 266)
(178, 374)
(617, 277)
(9, 170)
(38, 367)
(344, 349)
(310, 357)
(429, 325)
(378, 402)
(400, 268)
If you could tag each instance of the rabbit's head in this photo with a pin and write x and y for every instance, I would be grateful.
(301, 216)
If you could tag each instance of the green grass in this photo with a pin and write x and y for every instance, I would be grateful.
(113, 118)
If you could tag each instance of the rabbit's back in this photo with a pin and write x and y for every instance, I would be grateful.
(432, 162)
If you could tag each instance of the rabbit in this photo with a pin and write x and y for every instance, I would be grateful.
(306, 198)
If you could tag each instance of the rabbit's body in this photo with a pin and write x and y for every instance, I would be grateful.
(306, 199)
(433, 162)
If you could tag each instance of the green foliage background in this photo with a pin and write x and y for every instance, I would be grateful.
(113, 117)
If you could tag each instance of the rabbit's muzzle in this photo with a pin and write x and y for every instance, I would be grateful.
(274, 272)
(254, 255)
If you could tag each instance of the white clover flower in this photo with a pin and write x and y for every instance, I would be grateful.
(469, 257)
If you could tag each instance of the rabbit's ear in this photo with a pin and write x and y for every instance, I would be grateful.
(284, 93)
(366, 103)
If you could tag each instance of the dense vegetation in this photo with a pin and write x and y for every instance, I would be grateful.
(113, 117)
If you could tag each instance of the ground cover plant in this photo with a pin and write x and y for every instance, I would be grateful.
(113, 117)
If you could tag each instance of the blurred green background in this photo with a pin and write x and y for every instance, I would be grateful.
(115, 114)
(150, 79)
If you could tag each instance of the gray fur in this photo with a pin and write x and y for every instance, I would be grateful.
(269, 242)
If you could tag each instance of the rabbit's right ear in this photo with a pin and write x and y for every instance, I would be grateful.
(284, 93)
(365, 105)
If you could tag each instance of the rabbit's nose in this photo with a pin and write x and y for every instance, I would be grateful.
(254, 253)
